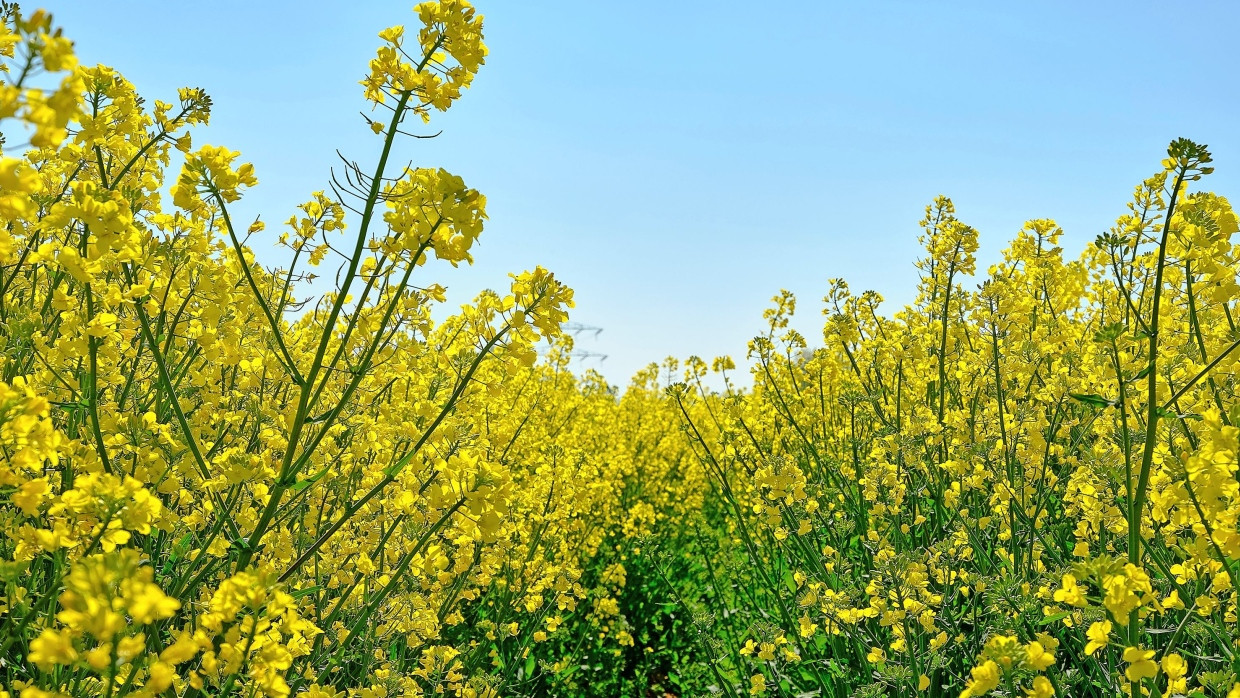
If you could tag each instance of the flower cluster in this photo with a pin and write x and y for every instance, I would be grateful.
(216, 482)
(1026, 486)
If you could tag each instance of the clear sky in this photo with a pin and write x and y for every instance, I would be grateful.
(678, 163)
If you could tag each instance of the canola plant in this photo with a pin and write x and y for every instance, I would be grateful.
(216, 481)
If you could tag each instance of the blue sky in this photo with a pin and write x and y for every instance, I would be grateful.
(678, 163)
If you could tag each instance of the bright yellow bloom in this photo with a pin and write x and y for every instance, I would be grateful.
(983, 679)
(1099, 635)
(1041, 688)
(1140, 664)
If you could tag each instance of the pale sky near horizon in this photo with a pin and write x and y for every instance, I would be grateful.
(678, 164)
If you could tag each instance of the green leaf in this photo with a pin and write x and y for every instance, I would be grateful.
(1053, 619)
(303, 484)
(305, 592)
(320, 418)
(1095, 401)
(1168, 414)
